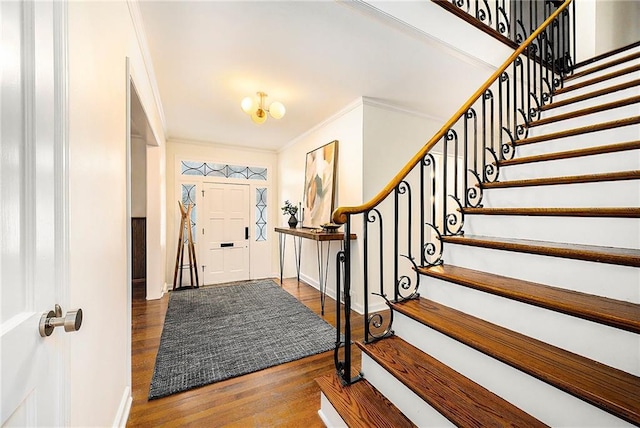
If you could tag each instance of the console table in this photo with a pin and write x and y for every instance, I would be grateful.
(321, 237)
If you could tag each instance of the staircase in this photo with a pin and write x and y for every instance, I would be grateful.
(533, 319)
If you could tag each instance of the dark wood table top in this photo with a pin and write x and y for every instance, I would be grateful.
(314, 234)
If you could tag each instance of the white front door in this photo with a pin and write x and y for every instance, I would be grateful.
(32, 199)
(225, 235)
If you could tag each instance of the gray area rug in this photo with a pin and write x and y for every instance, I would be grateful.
(219, 332)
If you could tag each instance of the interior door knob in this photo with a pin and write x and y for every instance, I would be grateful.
(52, 319)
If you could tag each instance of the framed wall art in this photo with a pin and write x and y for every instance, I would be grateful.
(319, 185)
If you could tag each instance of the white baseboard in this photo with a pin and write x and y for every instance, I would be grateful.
(122, 415)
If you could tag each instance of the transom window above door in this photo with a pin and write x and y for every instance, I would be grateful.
(208, 169)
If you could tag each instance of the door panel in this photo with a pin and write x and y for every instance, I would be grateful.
(226, 251)
(30, 226)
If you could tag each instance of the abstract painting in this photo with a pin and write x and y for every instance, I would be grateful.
(319, 185)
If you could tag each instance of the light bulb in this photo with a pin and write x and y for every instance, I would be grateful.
(277, 110)
(259, 116)
(248, 105)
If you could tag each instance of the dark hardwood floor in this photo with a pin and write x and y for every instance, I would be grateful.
(285, 395)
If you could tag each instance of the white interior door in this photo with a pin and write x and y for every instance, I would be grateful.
(225, 233)
(32, 258)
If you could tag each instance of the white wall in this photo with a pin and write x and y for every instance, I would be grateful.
(391, 138)
(261, 252)
(346, 127)
(138, 177)
(617, 24)
(156, 221)
(100, 37)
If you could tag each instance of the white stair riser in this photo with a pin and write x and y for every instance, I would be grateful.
(602, 194)
(602, 99)
(607, 70)
(610, 58)
(609, 115)
(601, 279)
(608, 345)
(548, 404)
(598, 85)
(628, 160)
(412, 406)
(602, 231)
(329, 414)
(581, 141)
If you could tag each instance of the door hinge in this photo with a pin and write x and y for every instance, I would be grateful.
(203, 230)
(203, 193)
(203, 268)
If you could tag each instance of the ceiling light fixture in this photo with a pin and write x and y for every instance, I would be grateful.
(254, 107)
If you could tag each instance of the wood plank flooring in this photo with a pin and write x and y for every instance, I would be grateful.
(280, 396)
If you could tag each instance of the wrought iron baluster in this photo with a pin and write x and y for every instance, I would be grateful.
(422, 202)
(573, 28)
(456, 161)
(347, 302)
(490, 99)
(503, 24)
(340, 278)
(396, 234)
(365, 272)
(443, 185)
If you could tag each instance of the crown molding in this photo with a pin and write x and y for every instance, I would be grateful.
(377, 102)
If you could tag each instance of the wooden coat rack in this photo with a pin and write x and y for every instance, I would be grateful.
(185, 224)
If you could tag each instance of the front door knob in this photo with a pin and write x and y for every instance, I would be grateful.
(52, 319)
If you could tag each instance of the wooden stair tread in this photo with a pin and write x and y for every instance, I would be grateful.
(612, 390)
(604, 66)
(579, 131)
(598, 79)
(606, 55)
(569, 179)
(603, 310)
(593, 253)
(585, 111)
(620, 212)
(361, 405)
(594, 94)
(456, 397)
(569, 154)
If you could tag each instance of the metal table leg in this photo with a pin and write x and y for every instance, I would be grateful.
(323, 270)
(298, 250)
(281, 247)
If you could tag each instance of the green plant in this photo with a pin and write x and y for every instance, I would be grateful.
(289, 208)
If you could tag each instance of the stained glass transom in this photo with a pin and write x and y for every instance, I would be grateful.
(261, 214)
(189, 197)
(207, 169)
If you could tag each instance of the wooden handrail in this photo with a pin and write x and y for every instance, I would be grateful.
(341, 213)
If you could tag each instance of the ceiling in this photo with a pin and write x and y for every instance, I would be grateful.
(314, 57)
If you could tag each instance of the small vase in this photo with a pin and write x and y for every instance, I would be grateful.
(293, 221)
